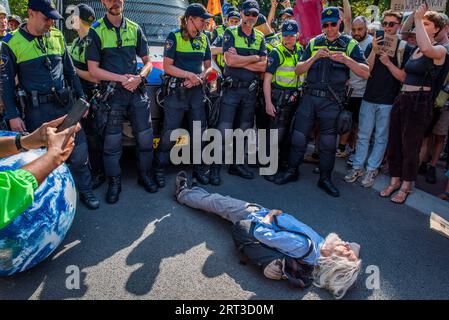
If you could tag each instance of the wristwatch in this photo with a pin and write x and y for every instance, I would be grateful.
(143, 78)
(19, 144)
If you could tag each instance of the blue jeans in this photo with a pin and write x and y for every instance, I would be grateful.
(372, 116)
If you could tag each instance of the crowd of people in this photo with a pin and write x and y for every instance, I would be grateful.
(398, 107)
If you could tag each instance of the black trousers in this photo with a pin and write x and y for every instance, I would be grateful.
(311, 110)
(410, 117)
(177, 107)
(136, 106)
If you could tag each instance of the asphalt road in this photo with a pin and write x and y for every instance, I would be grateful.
(147, 246)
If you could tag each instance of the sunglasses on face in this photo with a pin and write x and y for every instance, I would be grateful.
(327, 25)
(252, 14)
(390, 24)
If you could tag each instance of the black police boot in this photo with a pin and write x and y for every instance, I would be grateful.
(240, 170)
(201, 175)
(97, 180)
(214, 176)
(326, 184)
(289, 175)
(114, 189)
(159, 177)
(148, 184)
(90, 200)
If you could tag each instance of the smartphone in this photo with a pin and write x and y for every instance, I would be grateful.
(380, 34)
(74, 116)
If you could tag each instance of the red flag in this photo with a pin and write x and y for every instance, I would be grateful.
(214, 7)
(308, 16)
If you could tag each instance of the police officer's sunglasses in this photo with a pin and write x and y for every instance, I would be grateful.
(252, 14)
(390, 24)
(327, 25)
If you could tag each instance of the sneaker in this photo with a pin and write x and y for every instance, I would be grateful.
(369, 178)
(181, 182)
(341, 154)
(353, 175)
(274, 270)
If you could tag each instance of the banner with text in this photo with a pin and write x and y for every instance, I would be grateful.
(411, 5)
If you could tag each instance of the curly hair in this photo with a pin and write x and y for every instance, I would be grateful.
(334, 273)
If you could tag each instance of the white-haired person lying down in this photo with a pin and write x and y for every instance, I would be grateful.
(289, 244)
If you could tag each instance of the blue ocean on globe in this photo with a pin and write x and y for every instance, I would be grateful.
(37, 232)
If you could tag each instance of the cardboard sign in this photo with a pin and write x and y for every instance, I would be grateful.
(411, 5)
(390, 45)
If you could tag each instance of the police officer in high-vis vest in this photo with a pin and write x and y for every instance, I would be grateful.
(219, 30)
(114, 44)
(83, 18)
(187, 60)
(36, 53)
(233, 19)
(282, 85)
(246, 57)
(272, 40)
(327, 60)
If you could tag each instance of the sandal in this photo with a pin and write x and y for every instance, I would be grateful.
(388, 191)
(401, 196)
(444, 196)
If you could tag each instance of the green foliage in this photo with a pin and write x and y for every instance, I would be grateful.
(19, 7)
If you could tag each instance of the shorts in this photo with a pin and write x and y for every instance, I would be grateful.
(354, 107)
(442, 125)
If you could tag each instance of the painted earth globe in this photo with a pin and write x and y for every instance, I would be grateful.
(37, 232)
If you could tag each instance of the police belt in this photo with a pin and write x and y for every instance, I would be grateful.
(43, 98)
(240, 84)
(322, 93)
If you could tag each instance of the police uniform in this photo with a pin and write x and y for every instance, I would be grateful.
(218, 40)
(188, 55)
(3, 125)
(319, 104)
(285, 86)
(272, 41)
(240, 93)
(43, 66)
(218, 32)
(220, 57)
(116, 49)
(95, 144)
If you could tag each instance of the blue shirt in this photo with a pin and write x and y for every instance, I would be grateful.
(242, 74)
(288, 243)
(189, 61)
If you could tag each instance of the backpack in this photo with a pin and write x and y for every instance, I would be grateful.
(296, 270)
(438, 76)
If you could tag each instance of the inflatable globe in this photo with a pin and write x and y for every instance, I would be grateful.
(38, 231)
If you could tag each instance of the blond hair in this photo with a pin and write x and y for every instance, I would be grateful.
(334, 273)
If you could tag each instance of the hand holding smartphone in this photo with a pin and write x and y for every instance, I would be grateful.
(380, 34)
(78, 110)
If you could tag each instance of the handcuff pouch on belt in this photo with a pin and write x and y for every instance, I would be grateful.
(285, 103)
(101, 107)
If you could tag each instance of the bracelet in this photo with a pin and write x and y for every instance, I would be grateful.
(19, 144)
